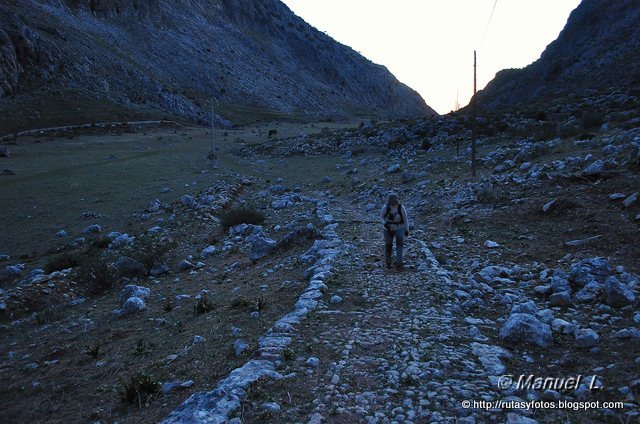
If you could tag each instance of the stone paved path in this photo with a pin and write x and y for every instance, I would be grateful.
(404, 356)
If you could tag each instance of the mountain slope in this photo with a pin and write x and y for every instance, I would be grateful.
(256, 57)
(597, 51)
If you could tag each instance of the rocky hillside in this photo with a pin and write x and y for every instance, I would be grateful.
(256, 57)
(597, 51)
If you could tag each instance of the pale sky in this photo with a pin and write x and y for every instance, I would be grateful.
(428, 44)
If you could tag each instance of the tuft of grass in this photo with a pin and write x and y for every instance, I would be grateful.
(60, 262)
(93, 350)
(141, 348)
(490, 194)
(289, 354)
(260, 303)
(167, 307)
(203, 305)
(241, 215)
(140, 389)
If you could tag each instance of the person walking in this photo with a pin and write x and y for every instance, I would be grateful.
(396, 226)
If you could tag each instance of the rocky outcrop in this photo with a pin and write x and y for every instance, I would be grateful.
(256, 57)
(596, 51)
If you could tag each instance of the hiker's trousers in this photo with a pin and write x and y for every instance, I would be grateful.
(389, 235)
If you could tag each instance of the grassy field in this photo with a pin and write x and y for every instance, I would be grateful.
(118, 174)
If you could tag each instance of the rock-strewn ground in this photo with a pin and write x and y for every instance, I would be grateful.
(530, 268)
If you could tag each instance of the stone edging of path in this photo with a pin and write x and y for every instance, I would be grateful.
(217, 405)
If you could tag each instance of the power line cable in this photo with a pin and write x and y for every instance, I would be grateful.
(486, 30)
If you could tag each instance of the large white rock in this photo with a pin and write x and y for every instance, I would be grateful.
(525, 328)
(215, 406)
(617, 294)
(131, 306)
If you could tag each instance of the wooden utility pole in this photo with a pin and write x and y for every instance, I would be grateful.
(212, 155)
(213, 139)
(474, 118)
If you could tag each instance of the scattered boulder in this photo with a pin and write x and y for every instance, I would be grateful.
(123, 240)
(563, 326)
(586, 337)
(529, 307)
(549, 205)
(598, 167)
(560, 299)
(92, 229)
(154, 206)
(587, 270)
(171, 385)
(260, 246)
(408, 176)
(208, 252)
(313, 362)
(184, 265)
(513, 418)
(239, 347)
(11, 271)
(278, 189)
(630, 200)
(188, 200)
(271, 407)
(491, 244)
(617, 294)
(560, 284)
(244, 230)
(589, 293)
(525, 328)
(133, 290)
(131, 306)
(159, 268)
(335, 299)
(393, 169)
(77, 242)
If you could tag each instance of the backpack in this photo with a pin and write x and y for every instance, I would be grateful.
(388, 214)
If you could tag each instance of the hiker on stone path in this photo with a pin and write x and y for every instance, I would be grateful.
(396, 225)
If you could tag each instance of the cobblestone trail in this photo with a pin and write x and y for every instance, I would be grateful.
(403, 355)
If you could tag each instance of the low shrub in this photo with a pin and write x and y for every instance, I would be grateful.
(203, 305)
(240, 302)
(591, 120)
(490, 194)
(140, 389)
(547, 131)
(101, 242)
(149, 249)
(60, 262)
(241, 215)
(99, 275)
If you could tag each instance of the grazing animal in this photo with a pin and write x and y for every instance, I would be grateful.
(272, 134)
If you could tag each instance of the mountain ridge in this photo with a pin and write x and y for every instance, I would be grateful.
(595, 52)
(173, 57)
